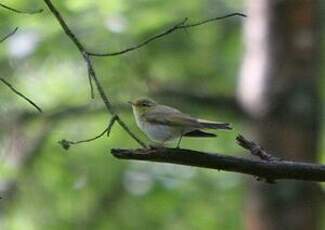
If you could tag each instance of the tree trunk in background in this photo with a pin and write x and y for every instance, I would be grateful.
(278, 88)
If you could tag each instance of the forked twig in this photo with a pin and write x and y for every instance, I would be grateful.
(66, 144)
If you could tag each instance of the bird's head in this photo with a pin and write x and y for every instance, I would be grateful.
(143, 105)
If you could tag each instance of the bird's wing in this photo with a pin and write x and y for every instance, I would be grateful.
(165, 115)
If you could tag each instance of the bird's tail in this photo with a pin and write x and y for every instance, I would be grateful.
(214, 125)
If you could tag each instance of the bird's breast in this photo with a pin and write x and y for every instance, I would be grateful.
(161, 133)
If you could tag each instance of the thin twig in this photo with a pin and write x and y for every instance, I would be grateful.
(92, 94)
(66, 143)
(8, 35)
(255, 149)
(162, 34)
(91, 70)
(21, 95)
(213, 19)
(110, 125)
(21, 11)
(180, 25)
(269, 170)
(106, 101)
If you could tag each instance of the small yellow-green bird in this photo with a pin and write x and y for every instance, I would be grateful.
(162, 123)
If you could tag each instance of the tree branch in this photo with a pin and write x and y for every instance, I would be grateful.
(20, 11)
(21, 95)
(270, 170)
(8, 35)
(91, 70)
(178, 26)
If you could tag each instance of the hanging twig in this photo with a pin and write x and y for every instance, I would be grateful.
(66, 143)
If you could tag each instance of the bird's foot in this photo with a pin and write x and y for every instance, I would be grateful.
(157, 146)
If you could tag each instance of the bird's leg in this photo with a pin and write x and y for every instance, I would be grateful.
(179, 141)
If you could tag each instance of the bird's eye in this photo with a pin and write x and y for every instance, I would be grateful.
(145, 104)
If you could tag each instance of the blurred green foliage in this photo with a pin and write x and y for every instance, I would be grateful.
(85, 187)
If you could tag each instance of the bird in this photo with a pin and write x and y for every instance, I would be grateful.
(162, 123)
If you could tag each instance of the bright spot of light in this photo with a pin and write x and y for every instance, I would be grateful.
(254, 71)
(23, 43)
(137, 183)
(116, 23)
(172, 176)
(80, 182)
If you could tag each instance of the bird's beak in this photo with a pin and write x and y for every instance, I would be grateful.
(130, 102)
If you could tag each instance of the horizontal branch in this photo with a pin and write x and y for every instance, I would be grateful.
(178, 26)
(270, 170)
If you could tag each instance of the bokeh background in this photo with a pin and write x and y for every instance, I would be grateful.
(263, 74)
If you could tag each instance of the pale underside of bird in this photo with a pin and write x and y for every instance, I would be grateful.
(162, 123)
